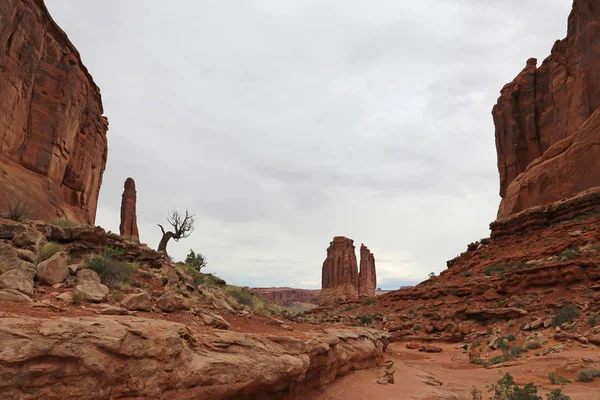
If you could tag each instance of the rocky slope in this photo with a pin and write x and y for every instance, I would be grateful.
(53, 134)
(546, 120)
(77, 299)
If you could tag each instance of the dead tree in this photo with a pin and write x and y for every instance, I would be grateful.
(182, 225)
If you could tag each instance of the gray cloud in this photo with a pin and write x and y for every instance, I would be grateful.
(282, 124)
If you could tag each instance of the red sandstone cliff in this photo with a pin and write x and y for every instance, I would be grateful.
(286, 295)
(340, 271)
(367, 278)
(128, 225)
(52, 133)
(547, 120)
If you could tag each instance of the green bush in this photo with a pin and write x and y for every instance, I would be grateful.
(569, 254)
(195, 261)
(565, 314)
(587, 375)
(506, 389)
(557, 379)
(496, 360)
(15, 209)
(533, 344)
(47, 251)
(112, 272)
(417, 327)
(351, 308)
(365, 319)
(369, 301)
(593, 319)
(467, 274)
(515, 351)
(557, 394)
(62, 222)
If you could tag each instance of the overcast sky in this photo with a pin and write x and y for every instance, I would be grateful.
(284, 123)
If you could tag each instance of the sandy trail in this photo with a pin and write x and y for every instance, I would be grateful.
(458, 376)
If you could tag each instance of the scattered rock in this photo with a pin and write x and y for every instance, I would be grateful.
(26, 255)
(86, 275)
(91, 291)
(67, 297)
(54, 270)
(172, 301)
(18, 280)
(137, 301)
(214, 320)
(428, 348)
(13, 295)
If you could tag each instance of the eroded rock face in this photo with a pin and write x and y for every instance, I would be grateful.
(340, 271)
(143, 353)
(367, 279)
(547, 121)
(128, 225)
(286, 295)
(53, 136)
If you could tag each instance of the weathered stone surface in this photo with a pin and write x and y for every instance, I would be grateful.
(9, 260)
(367, 278)
(547, 121)
(172, 301)
(128, 225)
(91, 291)
(214, 320)
(143, 353)
(340, 271)
(54, 270)
(86, 275)
(52, 131)
(14, 295)
(18, 280)
(137, 301)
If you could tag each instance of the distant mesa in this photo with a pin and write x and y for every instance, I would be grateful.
(341, 279)
(287, 296)
(128, 226)
(547, 121)
(53, 134)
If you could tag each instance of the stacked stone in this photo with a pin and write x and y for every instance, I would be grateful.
(388, 376)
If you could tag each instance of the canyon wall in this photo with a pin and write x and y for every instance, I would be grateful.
(53, 145)
(547, 120)
(286, 295)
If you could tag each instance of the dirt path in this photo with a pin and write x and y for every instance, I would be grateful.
(414, 371)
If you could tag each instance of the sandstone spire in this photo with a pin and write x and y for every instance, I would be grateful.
(128, 225)
(340, 271)
(367, 278)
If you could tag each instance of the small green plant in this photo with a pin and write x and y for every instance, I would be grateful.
(454, 292)
(515, 351)
(496, 360)
(417, 327)
(479, 361)
(496, 268)
(112, 272)
(593, 319)
(587, 375)
(420, 307)
(62, 222)
(506, 389)
(365, 319)
(565, 314)
(48, 250)
(533, 345)
(585, 228)
(431, 275)
(195, 261)
(15, 209)
(557, 379)
(510, 323)
(467, 274)
(368, 301)
(557, 394)
(569, 254)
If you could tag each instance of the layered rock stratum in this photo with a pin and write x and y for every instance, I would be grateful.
(286, 295)
(52, 131)
(547, 120)
(128, 226)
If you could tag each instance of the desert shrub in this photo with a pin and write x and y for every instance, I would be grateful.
(15, 209)
(557, 394)
(420, 307)
(351, 308)
(587, 375)
(200, 278)
(112, 272)
(240, 295)
(476, 343)
(510, 337)
(593, 319)
(496, 268)
(365, 319)
(47, 251)
(506, 389)
(569, 254)
(515, 351)
(510, 323)
(533, 344)
(565, 314)
(62, 222)
(112, 252)
(195, 261)
(557, 379)
(479, 361)
(454, 292)
(467, 274)
(417, 327)
(496, 360)
(369, 301)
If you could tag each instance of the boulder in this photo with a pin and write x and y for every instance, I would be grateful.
(91, 291)
(172, 301)
(137, 301)
(54, 270)
(18, 280)
(9, 260)
(86, 275)
(14, 295)
(214, 320)
(26, 255)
